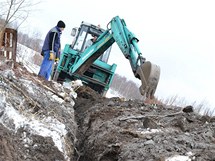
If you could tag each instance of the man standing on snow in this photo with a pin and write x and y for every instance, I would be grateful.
(51, 49)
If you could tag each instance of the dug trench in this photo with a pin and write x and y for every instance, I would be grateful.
(97, 128)
(111, 129)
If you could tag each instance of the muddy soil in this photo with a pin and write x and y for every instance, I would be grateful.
(14, 146)
(36, 118)
(96, 128)
(118, 130)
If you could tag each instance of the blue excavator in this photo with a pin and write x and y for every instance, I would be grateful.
(90, 64)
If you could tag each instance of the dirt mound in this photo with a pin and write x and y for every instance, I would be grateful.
(42, 120)
(17, 146)
(117, 130)
(36, 118)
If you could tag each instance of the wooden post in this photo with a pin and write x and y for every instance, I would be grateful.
(14, 45)
(9, 43)
(1, 40)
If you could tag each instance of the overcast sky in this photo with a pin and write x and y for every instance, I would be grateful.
(179, 36)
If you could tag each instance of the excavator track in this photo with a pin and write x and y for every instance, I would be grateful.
(149, 75)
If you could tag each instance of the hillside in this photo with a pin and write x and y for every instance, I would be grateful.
(43, 120)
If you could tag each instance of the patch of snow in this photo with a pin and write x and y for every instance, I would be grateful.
(76, 84)
(73, 86)
(58, 99)
(25, 56)
(148, 131)
(46, 127)
(189, 156)
(28, 84)
(178, 158)
(112, 93)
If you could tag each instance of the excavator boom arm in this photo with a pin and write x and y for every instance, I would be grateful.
(147, 72)
(127, 42)
(118, 32)
(103, 42)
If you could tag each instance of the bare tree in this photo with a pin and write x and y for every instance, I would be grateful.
(14, 10)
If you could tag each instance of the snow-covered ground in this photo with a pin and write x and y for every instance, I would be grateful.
(47, 126)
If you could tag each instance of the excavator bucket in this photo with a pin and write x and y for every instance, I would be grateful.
(149, 75)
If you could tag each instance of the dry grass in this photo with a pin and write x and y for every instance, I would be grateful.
(203, 107)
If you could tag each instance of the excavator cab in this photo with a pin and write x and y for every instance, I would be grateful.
(99, 74)
(85, 33)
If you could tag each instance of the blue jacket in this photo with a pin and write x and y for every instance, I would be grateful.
(52, 41)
